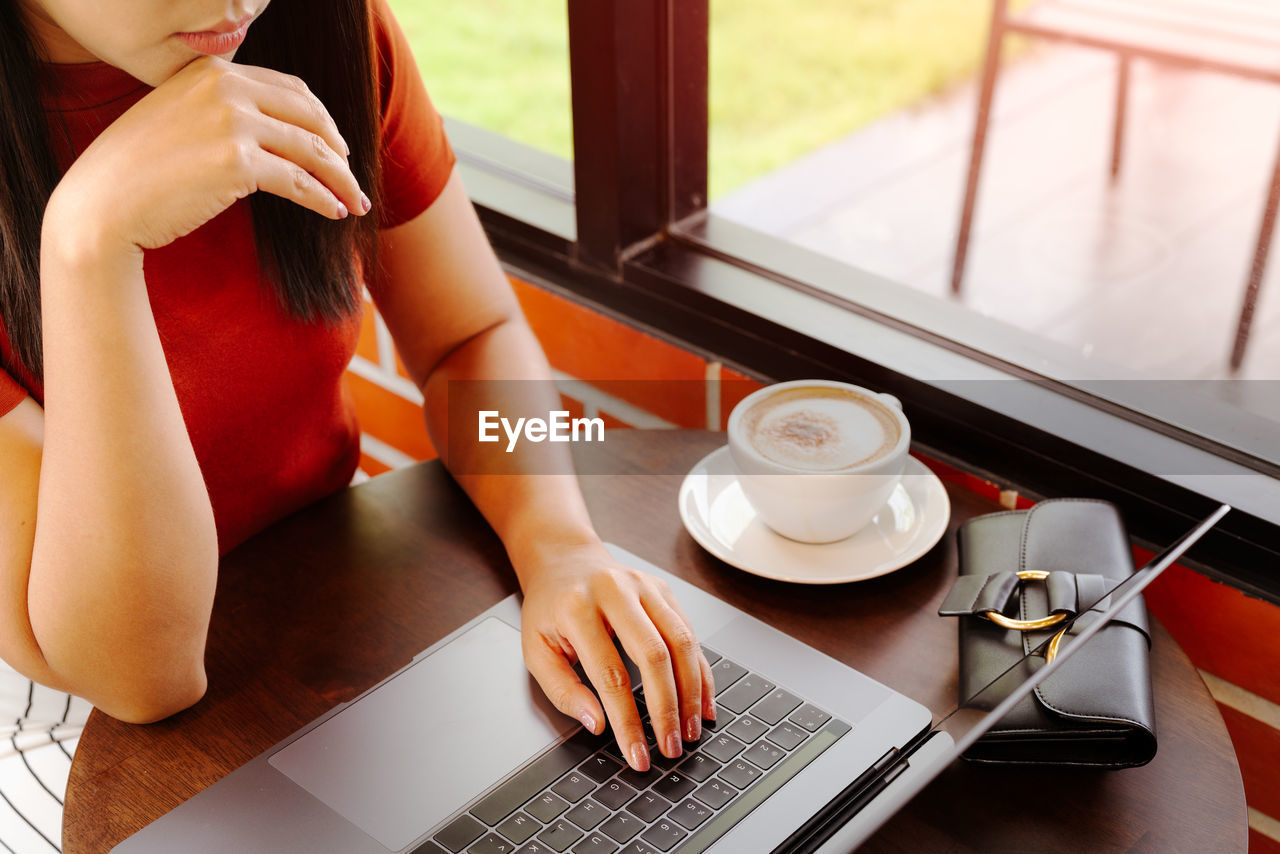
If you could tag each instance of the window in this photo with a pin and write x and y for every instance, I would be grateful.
(1110, 241)
(642, 240)
(501, 65)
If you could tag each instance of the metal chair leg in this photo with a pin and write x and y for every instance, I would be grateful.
(1259, 268)
(1122, 99)
(990, 69)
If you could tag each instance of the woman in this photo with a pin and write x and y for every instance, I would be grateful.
(182, 242)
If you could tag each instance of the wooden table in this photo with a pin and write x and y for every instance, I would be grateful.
(327, 602)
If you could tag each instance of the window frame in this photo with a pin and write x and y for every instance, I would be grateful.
(629, 233)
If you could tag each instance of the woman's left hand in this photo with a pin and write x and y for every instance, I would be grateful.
(575, 603)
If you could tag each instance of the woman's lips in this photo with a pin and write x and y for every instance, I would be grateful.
(218, 41)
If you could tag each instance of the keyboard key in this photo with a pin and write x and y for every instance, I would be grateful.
(647, 806)
(743, 695)
(724, 717)
(663, 835)
(765, 754)
(674, 786)
(637, 847)
(595, 844)
(723, 747)
(518, 828)
(787, 735)
(715, 793)
(699, 767)
(560, 835)
(542, 772)
(622, 827)
(641, 779)
(587, 814)
(740, 774)
(656, 759)
(747, 729)
(573, 787)
(492, 843)
(614, 794)
(725, 673)
(810, 717)
(662, 763)
(600, 767)
(776, 706)
(711, 656)
(460, 833)
(428, 847)
(690, 814)
(546, 807)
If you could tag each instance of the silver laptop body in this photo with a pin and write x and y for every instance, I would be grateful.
(460, 751)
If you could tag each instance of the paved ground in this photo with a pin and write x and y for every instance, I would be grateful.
(1146, 273)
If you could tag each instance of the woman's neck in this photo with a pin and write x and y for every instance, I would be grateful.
(53, 42)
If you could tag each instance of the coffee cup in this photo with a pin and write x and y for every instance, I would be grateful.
(817, 459)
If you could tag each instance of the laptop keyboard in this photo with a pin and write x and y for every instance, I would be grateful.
(582, 797)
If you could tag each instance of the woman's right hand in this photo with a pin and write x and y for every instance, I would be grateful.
(210, 135)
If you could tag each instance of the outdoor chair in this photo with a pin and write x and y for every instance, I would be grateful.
(1240, 37)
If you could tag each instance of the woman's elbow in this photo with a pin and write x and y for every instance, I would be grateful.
(156, 700)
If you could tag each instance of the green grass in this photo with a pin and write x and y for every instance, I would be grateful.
(786, 77)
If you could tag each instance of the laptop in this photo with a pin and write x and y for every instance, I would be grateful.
(806, 754)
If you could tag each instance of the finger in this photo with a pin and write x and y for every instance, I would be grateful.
(704, 667)
(278, 176)
(555, 675)
(686, 661)
(312, 153)
(287, 98)
(648, 649)
(708, 687)
(604, 667)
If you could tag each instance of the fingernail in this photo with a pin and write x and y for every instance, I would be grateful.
(365, 204)
(710, 712)
(692, 728)
(342, 211)
(639, 756)
(346, 149)
(673, 745)
(588, 721)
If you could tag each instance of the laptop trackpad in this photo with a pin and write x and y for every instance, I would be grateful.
(399, 760)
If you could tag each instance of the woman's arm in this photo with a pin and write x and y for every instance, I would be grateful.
(108, 550)
(125, 554)
(455, 320)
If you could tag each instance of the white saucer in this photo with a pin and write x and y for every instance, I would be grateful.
(718, 516)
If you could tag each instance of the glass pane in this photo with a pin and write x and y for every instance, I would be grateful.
(846, 127)
(500, 64)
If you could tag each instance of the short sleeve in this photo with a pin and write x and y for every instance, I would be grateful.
(416, 156)
(12, 389)
(11, 392)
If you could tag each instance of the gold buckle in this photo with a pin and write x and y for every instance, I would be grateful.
(1026, 625)
(1051, 652)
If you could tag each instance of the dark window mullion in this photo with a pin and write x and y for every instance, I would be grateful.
(632, 65)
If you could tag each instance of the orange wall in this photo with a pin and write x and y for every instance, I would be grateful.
(1231, 638)
(613, 358)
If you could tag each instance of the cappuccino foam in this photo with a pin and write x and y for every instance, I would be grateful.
(821, 429)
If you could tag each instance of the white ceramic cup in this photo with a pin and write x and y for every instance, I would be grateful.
(843, 482)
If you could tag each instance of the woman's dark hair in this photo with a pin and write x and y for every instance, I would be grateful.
(309, 260)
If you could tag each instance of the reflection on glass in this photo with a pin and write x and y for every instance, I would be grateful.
(847, 129)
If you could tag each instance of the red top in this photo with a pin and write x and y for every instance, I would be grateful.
(261, 393)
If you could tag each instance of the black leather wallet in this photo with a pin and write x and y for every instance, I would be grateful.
(1019, 569)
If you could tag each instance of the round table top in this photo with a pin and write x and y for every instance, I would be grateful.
(326, 603)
